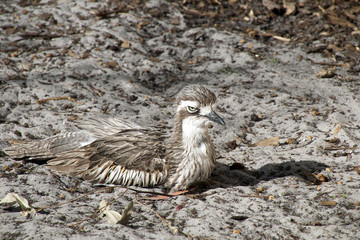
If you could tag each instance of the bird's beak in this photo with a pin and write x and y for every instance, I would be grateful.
(213, 116)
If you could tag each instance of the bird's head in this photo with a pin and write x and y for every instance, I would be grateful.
(196, 105)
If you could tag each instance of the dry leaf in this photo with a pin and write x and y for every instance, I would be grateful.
(274, 141)
(357, 169)
(328, 203)
(126, 214)
(336, 20)
(174, 230)
(337, 129)
(103, 207)
(125, 44)
(270, 5)
(325, 73)
(289, 6)
(321, 177)
(13, 197)
(111, 64)
(72, 54)
(113, 217)
(271, 197)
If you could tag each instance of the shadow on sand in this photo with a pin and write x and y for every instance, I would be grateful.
(238, 175)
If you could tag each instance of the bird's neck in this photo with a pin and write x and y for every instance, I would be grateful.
(188, 134)
(193, 154)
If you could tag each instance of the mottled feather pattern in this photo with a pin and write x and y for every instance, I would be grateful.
(196, 93)
(114, 151)
(131, 152)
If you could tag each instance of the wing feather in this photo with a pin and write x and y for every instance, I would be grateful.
(129, 157)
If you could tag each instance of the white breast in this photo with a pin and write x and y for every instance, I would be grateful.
(198, 156)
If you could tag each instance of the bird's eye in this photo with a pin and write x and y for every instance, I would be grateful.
(192, 109)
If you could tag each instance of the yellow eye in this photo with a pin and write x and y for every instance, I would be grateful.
(192, 109)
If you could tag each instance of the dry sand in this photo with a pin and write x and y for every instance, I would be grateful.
(131, 66)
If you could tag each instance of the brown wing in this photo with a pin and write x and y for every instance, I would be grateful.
(129, 157)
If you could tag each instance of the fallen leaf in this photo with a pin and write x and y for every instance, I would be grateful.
(103, 207)
(290, 141)
(126, 214)
(321, 177)
(270, 5)
(328, 203)
(72, 54)
(289, 6)
(113, 217)
(357, 169)
(174, 230)
(271, 197)
(336, 20)
(14, 197)
(111, 64)
(274, 141)
(125, 44)
(325, 73)
(337, 129)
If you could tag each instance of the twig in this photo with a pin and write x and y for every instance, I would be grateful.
(173, 230)
(257, 196)
(72, 200)
(57, 98)
(40, 35)
(98, 211)
(140, 191)
(328, 63)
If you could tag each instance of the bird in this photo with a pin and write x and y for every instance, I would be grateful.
(119, 152)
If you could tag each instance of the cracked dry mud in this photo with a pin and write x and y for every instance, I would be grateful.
(62, 61)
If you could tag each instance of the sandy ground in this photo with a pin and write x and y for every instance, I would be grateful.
(131, 65)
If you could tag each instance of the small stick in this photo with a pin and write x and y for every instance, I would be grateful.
(57, 98)
(72, 200)
(98, 211)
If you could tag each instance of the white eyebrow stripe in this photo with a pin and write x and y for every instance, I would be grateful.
(187, 103)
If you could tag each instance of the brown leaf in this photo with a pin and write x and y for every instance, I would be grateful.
(357, 169)
(270, 5)
(336, 20)
(125, 44)
(337, 129)
(351, 16)
(322, 178)
(328, 203)
(111, 64)
(274, 141)
(72, 54)
(289, 6)
(325, 73)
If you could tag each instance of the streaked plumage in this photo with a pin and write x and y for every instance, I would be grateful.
(114, 151)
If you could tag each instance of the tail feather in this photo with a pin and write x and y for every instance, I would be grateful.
(50, 147)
